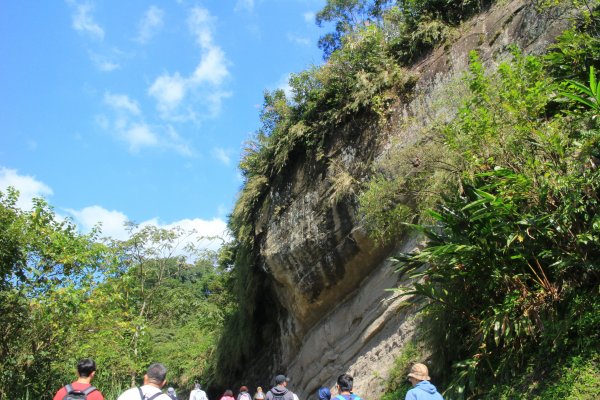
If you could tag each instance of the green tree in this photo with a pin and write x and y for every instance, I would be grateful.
(47, 268)
(347, 16)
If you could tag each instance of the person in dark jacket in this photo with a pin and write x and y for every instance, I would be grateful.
(422, 388)
(280, 391)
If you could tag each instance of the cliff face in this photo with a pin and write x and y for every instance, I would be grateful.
(328, 276)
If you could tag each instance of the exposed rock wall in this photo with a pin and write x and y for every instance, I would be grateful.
(325, 271)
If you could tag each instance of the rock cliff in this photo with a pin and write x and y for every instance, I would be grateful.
(328, 277)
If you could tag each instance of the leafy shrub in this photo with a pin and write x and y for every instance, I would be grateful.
(511, 251)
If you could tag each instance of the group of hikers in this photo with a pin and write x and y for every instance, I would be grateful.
(156, 378)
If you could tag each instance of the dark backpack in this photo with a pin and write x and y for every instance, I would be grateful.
(74, 394)
(279, 396)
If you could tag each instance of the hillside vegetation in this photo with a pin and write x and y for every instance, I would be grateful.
(506, 192)
(66, 296)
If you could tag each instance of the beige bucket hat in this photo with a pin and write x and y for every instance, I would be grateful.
(419, 371)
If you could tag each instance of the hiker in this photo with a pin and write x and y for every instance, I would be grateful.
(324, 393)
(344, 385)
(81, 388)
(287, 383)
(171, 393)
(259, 395)
(154, 380)
(198, 393)
(244, 395)
(280, 391)
(422, 389)
(228, 395)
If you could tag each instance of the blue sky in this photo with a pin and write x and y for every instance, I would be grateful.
(136, 110)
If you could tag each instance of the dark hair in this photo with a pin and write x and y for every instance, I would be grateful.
(85, 367)
(157, 373)
(345, 382)
(244, 389)
(228, 392)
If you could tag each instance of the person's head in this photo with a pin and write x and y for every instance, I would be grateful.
(418, 373)
(244, 389)
(171, 390)
(259, 389)
(281, 380)
(86, 368)
(228, 392)
(345, 383)
(156, 375)
(324, 393)
(197, 386)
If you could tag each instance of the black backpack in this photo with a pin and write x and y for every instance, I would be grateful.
(74, 394)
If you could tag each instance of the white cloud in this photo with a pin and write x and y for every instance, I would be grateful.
(128, 125)
(284, 84)
(244, 5)
(121, 102)
(169, 91)
(222, 155)
(151, 22)
(214, 100)
(28, 186)
(212, 67)
(84, 22)
(201, 24)
(309, 17)
(112, 222)
(172, 90)
(203, 233)
(138, 136)
(298, 39)
(103, 63)
(175, 142)
(206, 232)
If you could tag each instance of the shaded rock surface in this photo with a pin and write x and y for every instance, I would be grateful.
(328, 276)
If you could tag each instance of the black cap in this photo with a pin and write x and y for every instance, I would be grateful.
(279, 379)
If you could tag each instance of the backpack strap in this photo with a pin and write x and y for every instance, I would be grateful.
(155, 395)
(68, 388)
(89, 390)
(143, 396)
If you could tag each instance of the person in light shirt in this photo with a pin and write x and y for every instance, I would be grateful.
(198, 393)
(154, 380)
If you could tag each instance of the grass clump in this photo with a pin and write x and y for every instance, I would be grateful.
(396, 383)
